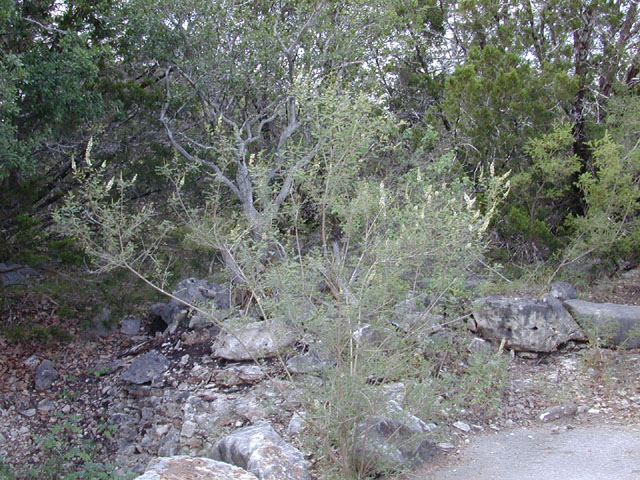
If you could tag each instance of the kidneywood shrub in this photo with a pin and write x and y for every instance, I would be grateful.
(366, 267)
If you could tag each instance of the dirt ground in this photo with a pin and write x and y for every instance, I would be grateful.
(597, 386)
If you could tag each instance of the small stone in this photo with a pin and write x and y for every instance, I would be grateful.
(445, 446)
(30, 412)
(563, 291)
(528, 355)
(239, 374)
(462, 426)
(32, 361)
(46, 405)
(66, 409)
(23, 430)
(478, 344)
(146, 368)
(101, 324)
(558, 412)
(188, 429)
(130, 326)
(311, 361)
(184, 359)
(45, 375)
(296, 423)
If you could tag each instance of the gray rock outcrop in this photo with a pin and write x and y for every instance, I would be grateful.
(563, 291)
(191, 291)
(45, 375)
(256, 340)
(391, 440)
(239, 374)
(614, 324)
(526, 324)
(260, 450)
(14, 274)
(193, 468)
(146, 368)
(308, 362)
(130, 326)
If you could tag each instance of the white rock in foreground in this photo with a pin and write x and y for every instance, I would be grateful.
(193, 468)
(263, 452)
(256, 340)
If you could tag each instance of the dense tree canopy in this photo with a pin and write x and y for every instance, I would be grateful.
(530, 87)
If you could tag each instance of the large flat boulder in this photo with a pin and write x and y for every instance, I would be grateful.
(614, 324)
(256, 340)
(526, 323)
(193, 468)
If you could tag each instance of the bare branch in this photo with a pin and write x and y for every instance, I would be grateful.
(175, 144)
(288, 181)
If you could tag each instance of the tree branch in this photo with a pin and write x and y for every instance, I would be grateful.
(192, 158)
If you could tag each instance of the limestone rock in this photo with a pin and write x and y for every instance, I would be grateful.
(391, 440)
(258, 339)
(308, 362)
(130, 326)
(45, 375)
(371, 336)
(278, 461)
(555, 413)
(195, 291)
(478, 344)
(191, 291)
(239, 374)
(14, 274)
(563, 291)
(617, 324)
(206, 413)
(263, 452)
(526, 324)
(146, 368)
(297, 423)
(193, 468)
(464, 427)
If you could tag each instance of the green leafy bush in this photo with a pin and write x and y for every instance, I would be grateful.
(66, 454)
(376, 244)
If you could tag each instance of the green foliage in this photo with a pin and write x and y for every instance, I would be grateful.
(392, 242)
(482, 383)
(65, 250)
(29, 332)
(611, 190)
(496, 102)
(381, 241)
(5, 472)
(50, 69)
(599, 335)
(541, 192)
(104, 226)
(67, 455)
